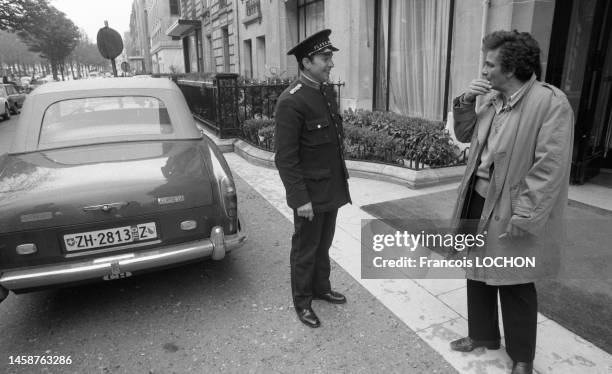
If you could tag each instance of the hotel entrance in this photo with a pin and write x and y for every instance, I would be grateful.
(580, 63)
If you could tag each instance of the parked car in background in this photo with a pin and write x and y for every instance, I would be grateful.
(24, 82)
(48, 78)
(108, 178)
(15, 96)
(5, 107)
(34, 84)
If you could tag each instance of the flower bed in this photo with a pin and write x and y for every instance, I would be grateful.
(380, 137)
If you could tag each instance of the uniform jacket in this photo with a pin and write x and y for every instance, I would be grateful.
(529, 181)
(309, 143)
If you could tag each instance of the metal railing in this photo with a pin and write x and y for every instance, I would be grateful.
(258, 100)
(252, 7)
(223, 103)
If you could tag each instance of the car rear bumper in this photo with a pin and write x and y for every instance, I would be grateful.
(120, 266)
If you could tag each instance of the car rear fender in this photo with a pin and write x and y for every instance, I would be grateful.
(225, 188)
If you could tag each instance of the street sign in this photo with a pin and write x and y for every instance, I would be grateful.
(110, 44)
(125, 66)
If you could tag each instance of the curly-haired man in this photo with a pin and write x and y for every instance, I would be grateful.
(515, 189)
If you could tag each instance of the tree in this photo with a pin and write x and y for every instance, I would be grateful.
(53, 36)
(16, 55)
(16, 15)
(86, 54)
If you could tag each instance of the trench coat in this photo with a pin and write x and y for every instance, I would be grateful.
(309, 147)
(529, 182)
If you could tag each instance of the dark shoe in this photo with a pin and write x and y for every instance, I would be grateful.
(468, 344)
(308, 317)
(522, 368)
(332, 297)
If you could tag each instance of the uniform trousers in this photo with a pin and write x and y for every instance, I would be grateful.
(519, 306)
(310, 267)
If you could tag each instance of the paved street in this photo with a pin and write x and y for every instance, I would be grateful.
(230, 316)
(237, 316)
(7, 130)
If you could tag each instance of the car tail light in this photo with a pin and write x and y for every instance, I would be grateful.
(228, 193)
(26, 249)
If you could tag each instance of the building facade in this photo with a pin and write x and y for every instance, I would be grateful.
(138, 42)
(166, 51)
(411, 56)
(208, 34)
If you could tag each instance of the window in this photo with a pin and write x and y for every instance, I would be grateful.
(411, 57)
(104, 119)
(261, 56)
(175, 8)
(186, 51)
(248, 55)
(252, 7)
(198, 36)
(311, 17)
(211, 54)
(226, 57)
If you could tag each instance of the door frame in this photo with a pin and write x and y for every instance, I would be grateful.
(584, 160)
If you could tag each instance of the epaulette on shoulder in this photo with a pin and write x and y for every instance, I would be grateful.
(295, 89)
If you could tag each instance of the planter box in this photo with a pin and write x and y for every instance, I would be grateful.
(360, 169)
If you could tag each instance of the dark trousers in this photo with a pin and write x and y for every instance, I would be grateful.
(309, 258)
(519, 306)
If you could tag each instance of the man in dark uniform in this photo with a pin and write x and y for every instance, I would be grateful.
(310, 161)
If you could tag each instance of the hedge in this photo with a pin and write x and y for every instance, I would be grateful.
(379, 136)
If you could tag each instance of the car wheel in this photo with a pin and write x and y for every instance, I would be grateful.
(7, 112)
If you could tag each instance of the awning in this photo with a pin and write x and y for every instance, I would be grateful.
(182, 27)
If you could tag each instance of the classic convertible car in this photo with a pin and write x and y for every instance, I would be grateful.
(108, 178)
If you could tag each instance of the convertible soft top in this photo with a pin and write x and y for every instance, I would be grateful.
(28, 130)
(107, 83)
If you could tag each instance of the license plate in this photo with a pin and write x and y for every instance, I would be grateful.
(110, 237)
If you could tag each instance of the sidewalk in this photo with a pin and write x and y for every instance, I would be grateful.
(434, 309)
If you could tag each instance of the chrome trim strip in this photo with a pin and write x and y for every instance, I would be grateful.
(51, 275)
(113, 258)
(106, 207)
(85, 252)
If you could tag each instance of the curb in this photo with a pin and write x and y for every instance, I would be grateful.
(369, 170)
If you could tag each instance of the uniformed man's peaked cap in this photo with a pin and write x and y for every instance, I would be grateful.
(315, 43)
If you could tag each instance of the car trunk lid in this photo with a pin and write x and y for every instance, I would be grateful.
(102, 183)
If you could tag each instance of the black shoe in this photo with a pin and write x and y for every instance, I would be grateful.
(468, 344)
(332, 297)
(522, 368)
(308, 317)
